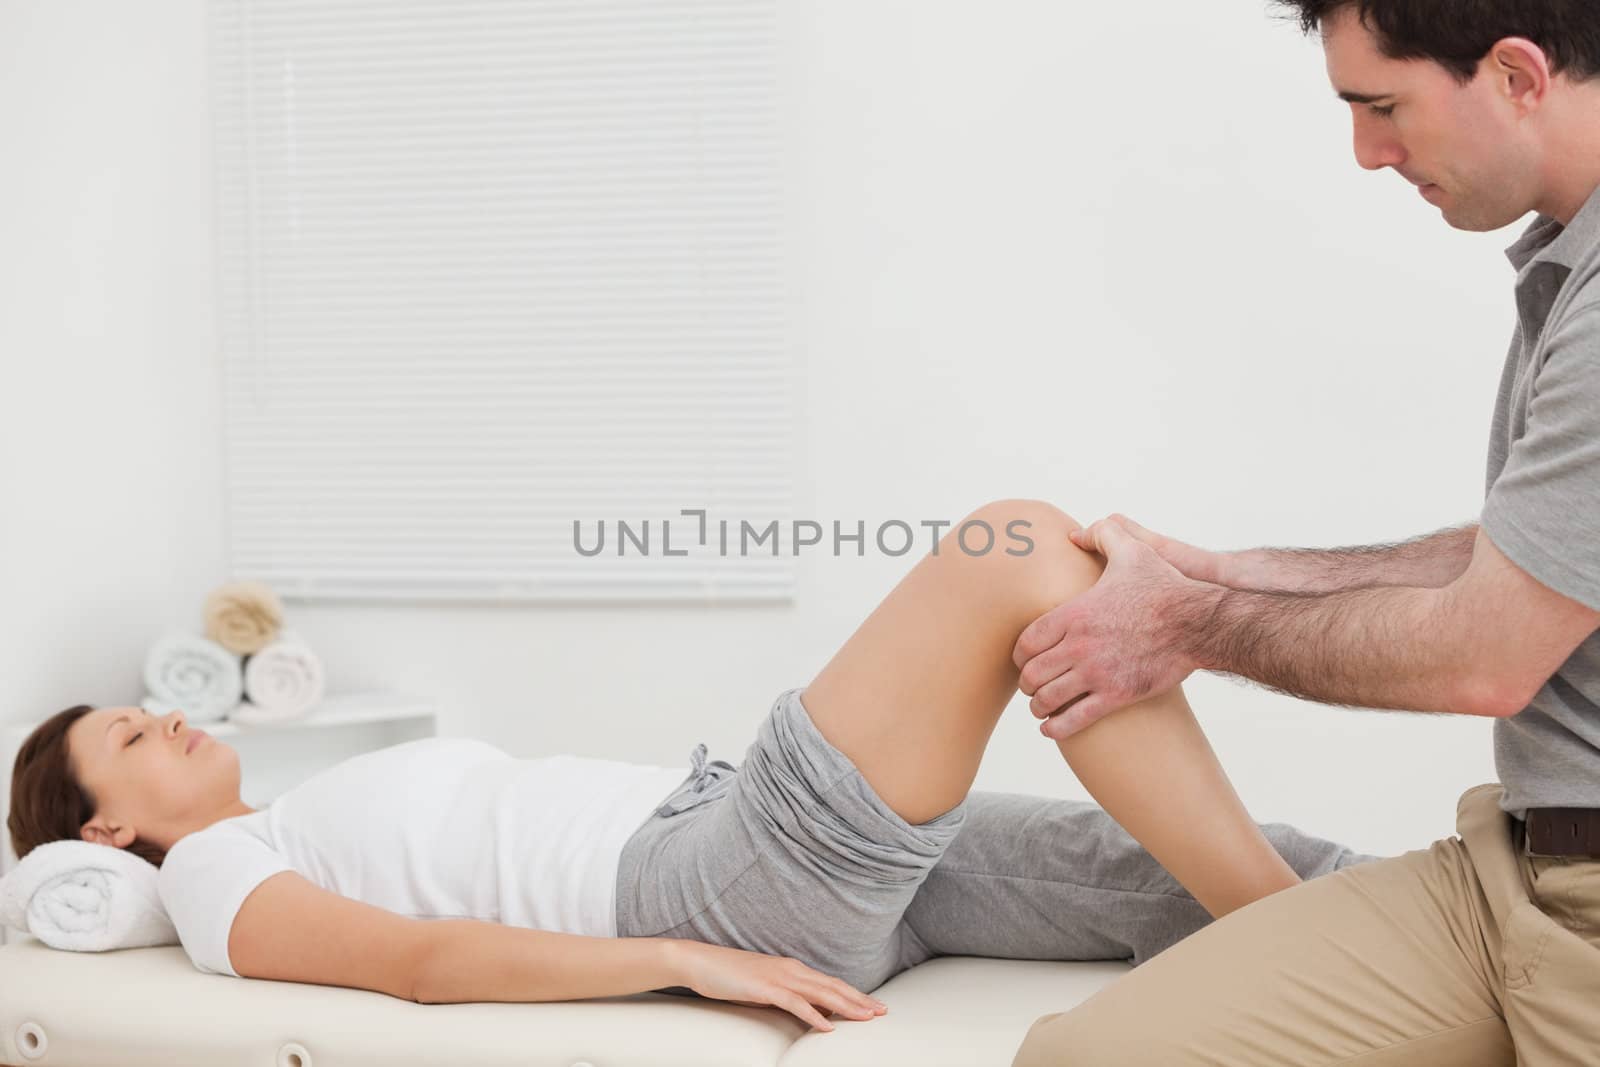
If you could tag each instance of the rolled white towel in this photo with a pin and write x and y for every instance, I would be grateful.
(283, 681)
(195, 674)
(84, 897)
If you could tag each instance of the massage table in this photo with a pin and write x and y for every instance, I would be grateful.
(149, 1007)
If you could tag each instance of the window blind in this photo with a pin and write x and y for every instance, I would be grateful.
(489, 269)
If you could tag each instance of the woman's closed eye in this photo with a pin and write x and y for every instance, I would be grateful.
(135, 737)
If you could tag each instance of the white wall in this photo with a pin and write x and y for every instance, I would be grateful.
(109, 477)
(1119, 258)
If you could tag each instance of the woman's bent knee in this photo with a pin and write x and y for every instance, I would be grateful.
(1021, 544)
(1019, 519)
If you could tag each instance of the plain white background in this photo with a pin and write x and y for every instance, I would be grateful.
(1117, 257)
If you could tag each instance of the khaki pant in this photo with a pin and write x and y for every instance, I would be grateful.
(1468, 953)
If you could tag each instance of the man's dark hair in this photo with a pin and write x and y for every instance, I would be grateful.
(1456, 34)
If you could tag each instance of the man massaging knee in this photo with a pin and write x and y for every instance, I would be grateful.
(1482, 949)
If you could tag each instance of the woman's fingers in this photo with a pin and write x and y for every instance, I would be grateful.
(844, 997)
(851, 996)
(801, 990)
(849, 990)
(839, 1001)
(779, 981)
(801, 1008)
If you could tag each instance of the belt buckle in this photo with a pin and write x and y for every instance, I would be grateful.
(1527, 842)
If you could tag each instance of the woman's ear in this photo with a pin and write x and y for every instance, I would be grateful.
(99, 831)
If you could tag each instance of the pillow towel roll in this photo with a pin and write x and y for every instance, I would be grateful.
(282, 682)
(195, 674)
(85, 897)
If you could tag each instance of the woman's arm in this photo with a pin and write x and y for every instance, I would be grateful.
(468, 960)
(292, 930)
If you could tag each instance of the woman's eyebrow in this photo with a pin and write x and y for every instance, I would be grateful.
(124, 717)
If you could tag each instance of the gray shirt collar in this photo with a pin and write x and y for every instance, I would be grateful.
(1547, 241)
(1545, 256)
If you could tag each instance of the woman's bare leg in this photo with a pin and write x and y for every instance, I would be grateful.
(914, 695)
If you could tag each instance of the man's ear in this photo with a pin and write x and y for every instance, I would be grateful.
(1520, 71)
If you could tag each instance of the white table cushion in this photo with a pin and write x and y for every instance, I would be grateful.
(149, 1006)
(954, 1011)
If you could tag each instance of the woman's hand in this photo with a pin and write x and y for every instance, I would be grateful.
(758, 980)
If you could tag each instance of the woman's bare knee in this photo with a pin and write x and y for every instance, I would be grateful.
(1029, 558)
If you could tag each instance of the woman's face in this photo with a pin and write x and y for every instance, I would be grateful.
(154, 778)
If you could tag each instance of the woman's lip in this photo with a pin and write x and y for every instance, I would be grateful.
(195, 737)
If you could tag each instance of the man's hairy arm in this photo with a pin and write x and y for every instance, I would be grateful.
(1482, 645)
(1485, 644)
(1397, 647)
(1430, 561)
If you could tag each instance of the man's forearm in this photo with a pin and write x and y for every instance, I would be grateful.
(1430, 561)
(470, 960)
(1394, 647)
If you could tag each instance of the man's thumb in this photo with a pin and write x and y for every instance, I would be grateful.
(1113, 535)
(1097, 537)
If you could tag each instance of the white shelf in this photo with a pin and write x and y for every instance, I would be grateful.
(341, 710)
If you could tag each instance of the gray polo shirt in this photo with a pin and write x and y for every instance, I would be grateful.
(1542, 502)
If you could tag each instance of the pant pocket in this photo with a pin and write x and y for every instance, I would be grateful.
(1552, 986)
(706, 782)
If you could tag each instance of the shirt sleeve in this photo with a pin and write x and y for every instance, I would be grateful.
(204, 880)
(1543, 511)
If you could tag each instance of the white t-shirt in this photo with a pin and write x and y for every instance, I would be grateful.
(442, 827)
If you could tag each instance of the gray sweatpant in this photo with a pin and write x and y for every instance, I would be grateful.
(794, 854)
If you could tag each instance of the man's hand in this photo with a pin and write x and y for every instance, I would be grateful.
(1197, 563)
(1113, 645)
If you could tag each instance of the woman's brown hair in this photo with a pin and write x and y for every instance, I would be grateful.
(48, 803)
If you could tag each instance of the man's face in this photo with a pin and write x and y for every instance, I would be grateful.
(1464, 146)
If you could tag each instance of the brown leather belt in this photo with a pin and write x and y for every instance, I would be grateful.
(1563, 832)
